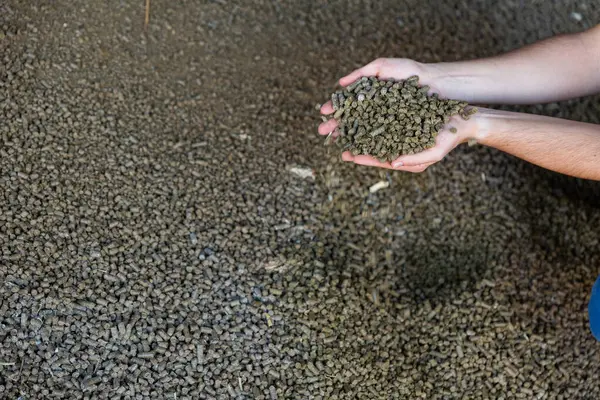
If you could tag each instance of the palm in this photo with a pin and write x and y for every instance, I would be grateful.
(395, 68)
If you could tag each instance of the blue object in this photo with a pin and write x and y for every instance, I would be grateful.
(594, 310)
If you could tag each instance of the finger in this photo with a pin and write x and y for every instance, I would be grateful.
(371, 69)
(371, 162)
(327, 108)
(325, 128)
(428, 156)
(361, 159)
(415, 168)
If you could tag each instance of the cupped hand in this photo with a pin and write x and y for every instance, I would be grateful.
(401, 68)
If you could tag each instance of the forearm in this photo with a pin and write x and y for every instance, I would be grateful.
(554, 69)
(568, 147)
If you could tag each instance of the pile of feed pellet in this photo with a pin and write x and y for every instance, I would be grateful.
(171, 226)
(388, 118)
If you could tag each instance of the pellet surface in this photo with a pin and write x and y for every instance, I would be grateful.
(172, 227)
(389, 118)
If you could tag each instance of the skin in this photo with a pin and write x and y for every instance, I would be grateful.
(539, 73)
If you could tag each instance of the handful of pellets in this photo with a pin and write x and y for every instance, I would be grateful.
(386, 119)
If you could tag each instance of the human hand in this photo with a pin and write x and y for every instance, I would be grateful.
(401, 68)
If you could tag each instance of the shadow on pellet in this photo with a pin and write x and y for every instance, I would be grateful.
(434, 273)
(562, 215)
(437, 273)
(582, 193)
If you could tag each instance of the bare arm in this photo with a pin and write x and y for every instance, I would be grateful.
(569, 147)
(558, 68)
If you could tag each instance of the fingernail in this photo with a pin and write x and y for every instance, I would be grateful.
(397, 164)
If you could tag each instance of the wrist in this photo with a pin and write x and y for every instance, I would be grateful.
(450, 81)
(466, 129)
(487, 122)
(466, 81)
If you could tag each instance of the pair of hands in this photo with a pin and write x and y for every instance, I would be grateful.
(400, 68)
